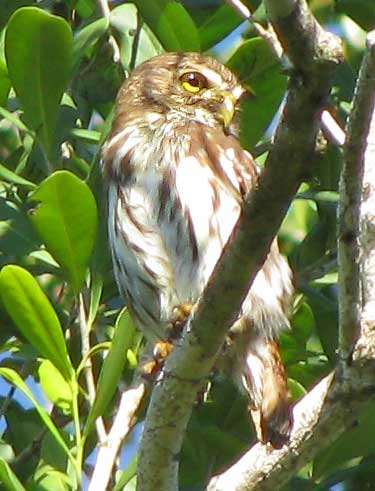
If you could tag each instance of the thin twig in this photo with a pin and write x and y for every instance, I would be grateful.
(124, 421)
(106, 13)
(104, 8)
(332, 128)
(85, 329)
(268, 35)
(136, 38)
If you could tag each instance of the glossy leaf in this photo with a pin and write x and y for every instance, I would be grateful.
(52, 454)
(38, 49)
(88, 36)
(14, 178)
(66, 220)
(325, 312)
(55, 386)
(260, 72)
(171, 23)
(113, 367)
(361, 11)
(47, 477)
(124, 20)
(96, 291)
(13, 377)
(224, 20)
(8, 478)
(34, 316)
(4, 83)
(17, 235)
(127, 474)
(355, 442)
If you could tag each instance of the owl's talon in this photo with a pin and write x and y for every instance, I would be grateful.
(152, 367)
(179, 317)
(161, 350)
(149, 369)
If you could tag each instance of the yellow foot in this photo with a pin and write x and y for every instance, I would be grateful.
(161, 350)
(151, 367)
(179, 317)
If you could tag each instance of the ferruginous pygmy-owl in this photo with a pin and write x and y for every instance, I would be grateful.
(177, 177)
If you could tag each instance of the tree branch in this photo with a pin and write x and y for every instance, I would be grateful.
(267, 34)
(365, 348)
(189, 365)
(352, 188)
(124, 421)
(85, 329)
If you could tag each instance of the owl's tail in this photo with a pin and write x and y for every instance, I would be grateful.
(261, 374)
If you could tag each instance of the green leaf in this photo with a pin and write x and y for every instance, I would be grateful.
(52, 454)
(127, 474)
(34, 316)
(66, 220)
(85, 8)
(171, 23)
(38, 48)
(260, 72)
(14, 178)
(89, 136)
(325, 312)
(355, 442)
(12, 376)
(296, 389)
(361, 11)
(46, 477)
(96, 290)
(12, 118)
(124, 20)
(86, 37)
(8, 478)
(113, 367)
(303, 323)
(55, 386)
(4, 83)
(17, 235)
(223, 21)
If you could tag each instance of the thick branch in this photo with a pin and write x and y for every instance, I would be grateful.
(366, 86)
(190, 364)
(353, 190)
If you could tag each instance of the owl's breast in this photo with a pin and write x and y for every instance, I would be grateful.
(174, 198)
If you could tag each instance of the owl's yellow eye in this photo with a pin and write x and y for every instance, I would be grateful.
(193, 82)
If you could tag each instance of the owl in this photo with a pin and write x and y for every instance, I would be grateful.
(177, 178)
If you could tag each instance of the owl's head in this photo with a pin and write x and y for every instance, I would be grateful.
(188, 84)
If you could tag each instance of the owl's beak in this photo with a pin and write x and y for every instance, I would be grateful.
(227, 107)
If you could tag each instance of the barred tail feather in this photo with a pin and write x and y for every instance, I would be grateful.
(264, 380)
